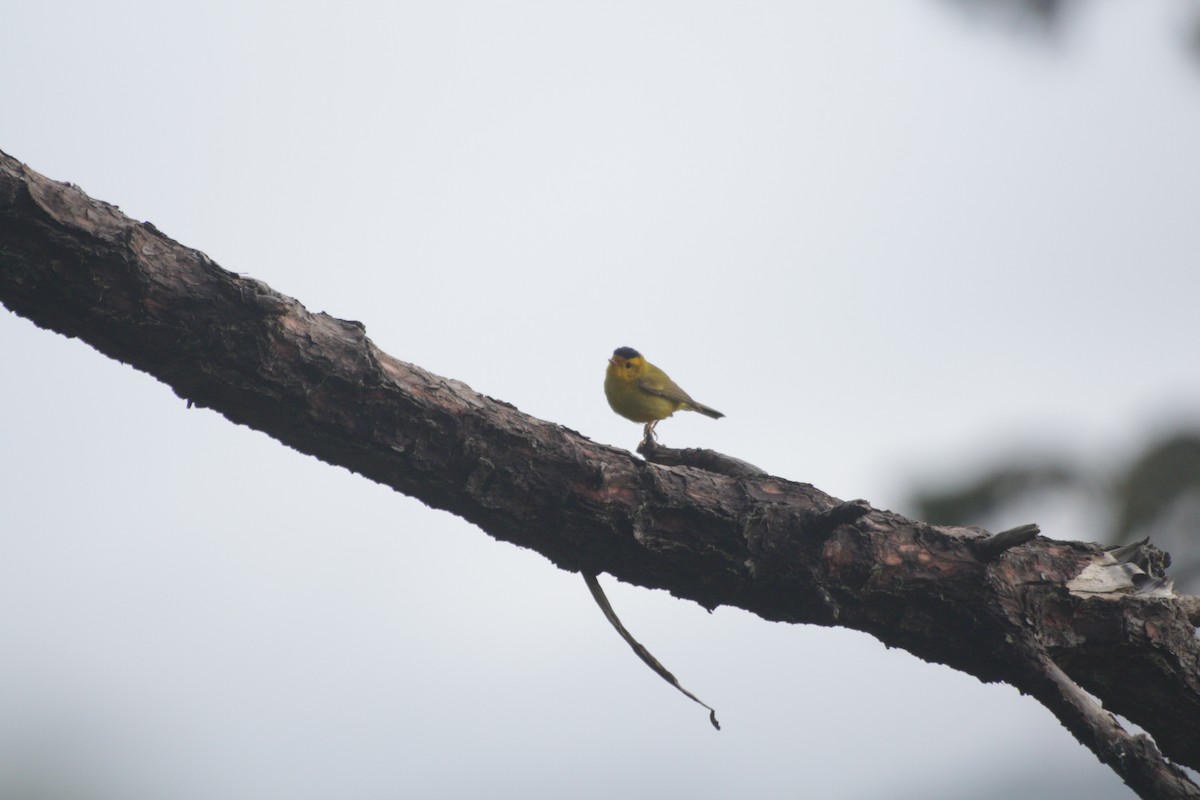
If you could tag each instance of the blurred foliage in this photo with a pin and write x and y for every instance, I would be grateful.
(1054, 16)
(1167, 474)
(1156, 494)
(1193, 37)
(998, 488)
(1045, 14)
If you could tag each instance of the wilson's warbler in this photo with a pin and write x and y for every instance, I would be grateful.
(640, 391)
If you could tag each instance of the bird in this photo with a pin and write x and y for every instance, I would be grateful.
(640, 391)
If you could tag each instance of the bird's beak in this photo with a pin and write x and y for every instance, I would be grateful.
(612, 361)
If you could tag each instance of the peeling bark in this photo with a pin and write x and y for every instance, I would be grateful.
(996, 607)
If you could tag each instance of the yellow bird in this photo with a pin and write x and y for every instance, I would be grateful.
(640, 391)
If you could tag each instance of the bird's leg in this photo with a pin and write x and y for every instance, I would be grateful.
(648, 434)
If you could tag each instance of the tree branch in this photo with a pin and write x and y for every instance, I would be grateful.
(783, 550)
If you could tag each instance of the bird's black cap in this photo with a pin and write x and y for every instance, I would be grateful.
(626, 352)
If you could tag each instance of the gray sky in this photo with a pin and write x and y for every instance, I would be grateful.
(885, 242)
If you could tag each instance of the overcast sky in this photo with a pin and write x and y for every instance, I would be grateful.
(886, 242)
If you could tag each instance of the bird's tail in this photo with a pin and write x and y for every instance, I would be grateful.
(706, 411)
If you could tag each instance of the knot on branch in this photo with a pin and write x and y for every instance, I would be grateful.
(843, 513)
(991, 547)
(708, 460)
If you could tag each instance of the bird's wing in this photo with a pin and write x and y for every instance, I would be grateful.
(662, 386)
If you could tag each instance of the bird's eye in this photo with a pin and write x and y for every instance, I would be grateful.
(628, 365)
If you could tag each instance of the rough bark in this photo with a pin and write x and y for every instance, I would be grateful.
(1010, 609)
